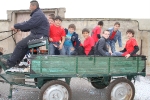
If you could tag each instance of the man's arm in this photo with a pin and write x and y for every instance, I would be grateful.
(101, 44)
(34, 21)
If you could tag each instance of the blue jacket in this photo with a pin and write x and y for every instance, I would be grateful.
(74, 39)
(37, 24)
(117, 37)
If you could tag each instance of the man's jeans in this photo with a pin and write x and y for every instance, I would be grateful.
(52, 49)
(20, 50)
(68, 50)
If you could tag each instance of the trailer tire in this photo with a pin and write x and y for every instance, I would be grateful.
(55, 89)
(120, 89)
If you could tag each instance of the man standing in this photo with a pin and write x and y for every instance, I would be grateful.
(115, 35)
(38, 25)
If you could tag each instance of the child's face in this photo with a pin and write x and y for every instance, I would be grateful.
(106, 34)
(129, 35)
(51, 21)
(57, 22)
(116, 27)
(85, 34)
(71, 30)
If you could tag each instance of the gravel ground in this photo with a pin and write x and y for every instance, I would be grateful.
(81, 90)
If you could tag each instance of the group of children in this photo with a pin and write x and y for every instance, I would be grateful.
(67, 42)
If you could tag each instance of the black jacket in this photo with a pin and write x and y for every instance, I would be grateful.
(101, 47)
(74, 39)
(37, 24)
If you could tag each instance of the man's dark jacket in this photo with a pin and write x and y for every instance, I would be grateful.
(37, 24)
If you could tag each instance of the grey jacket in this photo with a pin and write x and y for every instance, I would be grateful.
(101, 47)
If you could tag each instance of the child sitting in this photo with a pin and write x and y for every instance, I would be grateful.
(131, 47)
(101, 47)
(88, 44)
(72, 41)
(57, 37)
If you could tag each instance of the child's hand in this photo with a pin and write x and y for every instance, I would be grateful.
(72, 48)
(127, 56)
(110, 52)
(55, 45)
(60, 46)
(50, 39)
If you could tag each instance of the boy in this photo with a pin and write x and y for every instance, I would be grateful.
(131, 47)
(115, 35)
(101, 47)
(88, 44)
(51, 18)
(97, 31)
(72, 41)
(57, 37)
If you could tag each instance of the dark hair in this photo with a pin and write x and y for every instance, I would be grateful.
(117, 23)
(52, 16)
(35, 3)
(85, 30)
(58, 17)
(100, 23)
(106, 30)
(130, 31)
(72, 26)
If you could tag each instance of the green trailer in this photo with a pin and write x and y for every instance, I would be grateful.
(113, 73)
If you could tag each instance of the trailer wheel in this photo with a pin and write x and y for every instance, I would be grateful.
(55, 90)
(121, 89)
